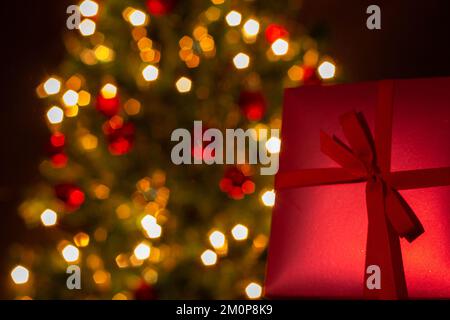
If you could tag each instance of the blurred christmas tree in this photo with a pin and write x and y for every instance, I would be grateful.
(113, 202)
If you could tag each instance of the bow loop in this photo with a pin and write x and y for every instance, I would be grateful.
(359, 138)
(339, 152)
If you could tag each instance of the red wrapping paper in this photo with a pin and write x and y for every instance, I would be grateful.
(319, 232)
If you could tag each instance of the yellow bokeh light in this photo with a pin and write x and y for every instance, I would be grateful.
(207, 43)
(55, 115)
(150, 73)
(71, 111)
(142, 251)
(327, 70)
(123, 211)
(253, 290)
(183, 84)
(241, 61)
(103, 53)
(70, 98)
(84, 98)
(88, 8)
(120, 296)
(122, 261)
(251, 28)
(81, 239)
(233, 18)
(186, 42)
(150, 275)
(101, 277)
(273, 145)
(137, 18)
(268, 198)
(70, 253)
(296, 73)
(280, 47)
(87, 27)
(217, 239)
(52, 86)
(89, 141)
(132, 107)
(200, 32)
(109, 91)
(49, 218)
(213, 13)
(311, 58)
(239, 232)
(20, 275)
(209, 257)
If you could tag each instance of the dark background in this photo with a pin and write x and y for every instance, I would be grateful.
(413, 42)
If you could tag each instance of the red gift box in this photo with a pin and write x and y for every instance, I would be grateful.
(364, 183)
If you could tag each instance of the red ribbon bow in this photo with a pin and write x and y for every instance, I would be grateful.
(389, 215)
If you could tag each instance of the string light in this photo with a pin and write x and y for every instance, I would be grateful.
(142, 251)
(183, 85)
(217, 239)
(49, 217)
(137, 18)
(70, 98)
(273, 145)
(150, 73)
(241, 61)
(70, 253)
(209, 257)
(280, 47)
(253, 290)
(20, 274)
(52, 86)
(154, 231)
(233, 18)
(152, 228)
(55, 115)
(250, 28)
(239, 232)
(88, 8)
(327, 70)
(109, 91)
(268, 198)
(87, 27)
(148, 221)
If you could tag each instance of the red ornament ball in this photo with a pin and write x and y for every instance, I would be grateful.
(236, 183)
(252, 105)
(275, 31)
(310, 76)
(108, 107)
(70, 194)
(144, 292)
(55, 150)
(120, 135)
(198, 147)
(160, 7)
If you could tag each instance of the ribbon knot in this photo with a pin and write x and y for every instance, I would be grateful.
(367, 159)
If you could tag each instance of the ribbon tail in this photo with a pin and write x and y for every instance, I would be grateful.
(383, 252)
(402, 217)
